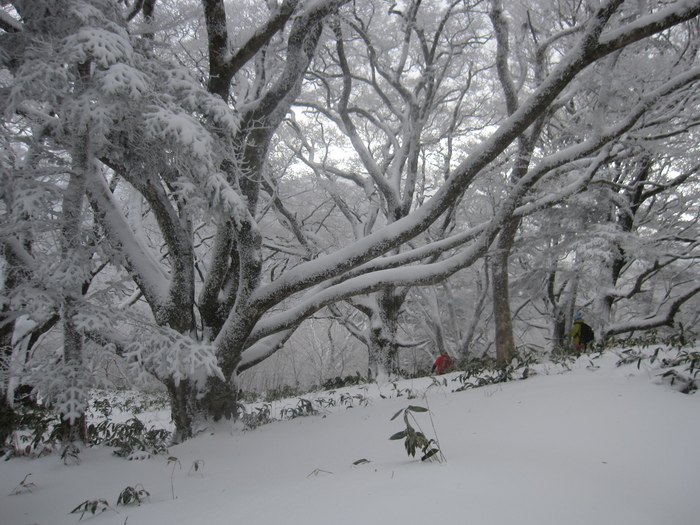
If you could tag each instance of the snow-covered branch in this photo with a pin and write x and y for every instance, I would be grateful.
(662, 318)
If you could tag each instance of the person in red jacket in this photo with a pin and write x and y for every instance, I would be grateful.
(443, 364)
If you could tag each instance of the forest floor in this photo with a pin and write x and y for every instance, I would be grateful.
(595, 441)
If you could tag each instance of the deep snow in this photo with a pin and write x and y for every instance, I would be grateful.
(608, 445)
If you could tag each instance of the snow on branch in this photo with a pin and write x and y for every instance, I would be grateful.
(263, 349)
(648, 25)
(420, 275)
(147, 271)
(65, 384)
(429, 273)
(123, 79)
(100, 46)
(193, 96)
(662, 318)
(169, 355)
(224, 198)
(582, 55)
(180, 130)
(10, 24)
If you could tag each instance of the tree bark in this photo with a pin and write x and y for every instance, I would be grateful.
(505, 342)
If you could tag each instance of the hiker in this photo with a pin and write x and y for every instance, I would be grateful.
(443, 364)
(581, 334)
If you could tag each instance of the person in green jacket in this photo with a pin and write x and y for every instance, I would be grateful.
(581, 334)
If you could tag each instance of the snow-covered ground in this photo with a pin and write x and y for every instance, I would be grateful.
(606, 445)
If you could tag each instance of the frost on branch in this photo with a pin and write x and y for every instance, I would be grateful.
(66, 385)
(37, 303)
(122, 79)
(103, 47)
(182, 132)
(225, 198)
(191, 95)
(96, 320)
(169, 355)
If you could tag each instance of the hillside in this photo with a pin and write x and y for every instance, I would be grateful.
(599, 443)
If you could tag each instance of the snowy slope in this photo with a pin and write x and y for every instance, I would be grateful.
(607, 445)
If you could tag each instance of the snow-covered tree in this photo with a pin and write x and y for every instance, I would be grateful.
(589, 105)
(397, 85)
(181, 179)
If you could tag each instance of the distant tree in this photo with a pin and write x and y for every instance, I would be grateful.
(589, 106)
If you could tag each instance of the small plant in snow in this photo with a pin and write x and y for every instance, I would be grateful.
(175, 463)
(349, 400)
(280, 393)
(92, 506)
(416, 439)
(197, 465)
(105, 402)
(261, 416)
(327, 402)
(132, 495)
(437, 382)
(482, 372)
(400, 392)
(303, 408)
(129, 437)
(683, 371)
(41, 431)
(70, 454)
(631, 355)
(24, 485)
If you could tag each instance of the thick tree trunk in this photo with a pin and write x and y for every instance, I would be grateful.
(74, 254)
(505, 343)
(184, 408)
(383, 343)
(76, 424)
(562, 309)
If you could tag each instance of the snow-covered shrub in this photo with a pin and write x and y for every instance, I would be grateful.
(41, 430)
(132, 495)
(303, 408)
(281, 392)
(486, 371)
(261, 415)
(680, 368)
(38, 431)
(129, 437)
